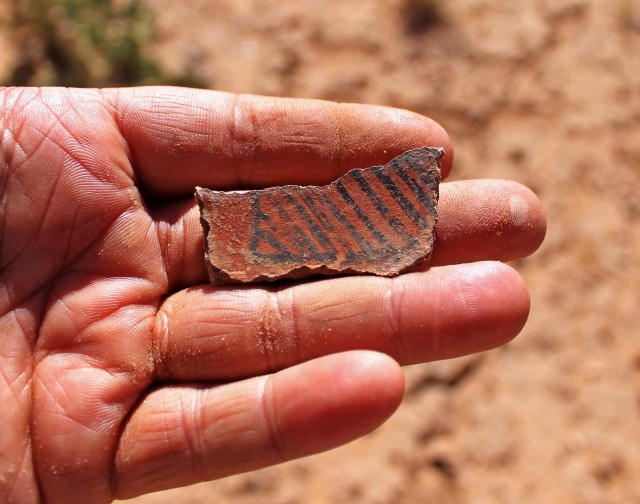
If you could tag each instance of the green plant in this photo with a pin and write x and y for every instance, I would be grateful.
(85, 43)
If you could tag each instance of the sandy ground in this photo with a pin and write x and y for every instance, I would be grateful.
(545, 92)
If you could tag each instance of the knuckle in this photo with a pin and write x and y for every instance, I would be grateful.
(276, 330)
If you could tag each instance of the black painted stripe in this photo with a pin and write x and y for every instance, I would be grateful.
(317, 232)
(362, 243)
(427, 194)
(380, 206)
(417, 189)
(407, 207)
(346, 196)
(320, 215)
(260, 234)
(301, 237)
(423, 173)
(311, 205)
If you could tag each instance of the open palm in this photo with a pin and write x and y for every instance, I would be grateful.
(122, 372)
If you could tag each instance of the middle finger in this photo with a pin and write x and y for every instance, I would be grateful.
(218, 334)
(478, 220)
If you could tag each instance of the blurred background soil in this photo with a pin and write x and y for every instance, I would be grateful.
(544, 92)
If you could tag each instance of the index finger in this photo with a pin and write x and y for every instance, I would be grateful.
(180, 138)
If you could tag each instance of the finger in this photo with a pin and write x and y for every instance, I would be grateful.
(479, 220)
(180, 138)
(487, 220)
(182, 435)
(220, 334)
(181, 243)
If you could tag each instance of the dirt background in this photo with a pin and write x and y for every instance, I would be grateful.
(545, 92)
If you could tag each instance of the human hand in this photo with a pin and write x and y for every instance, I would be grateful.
(122, 372)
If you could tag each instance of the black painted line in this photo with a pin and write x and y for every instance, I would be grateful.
(258, 234)
(415, 186)
(321, 216)
(304, 239)
(424, 174)
(380, 206)
(407, 206)
(346, 196)
(335, 212)
(317, 232)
